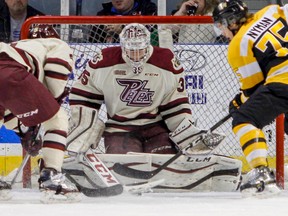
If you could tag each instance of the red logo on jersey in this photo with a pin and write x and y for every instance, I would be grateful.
(135, 93)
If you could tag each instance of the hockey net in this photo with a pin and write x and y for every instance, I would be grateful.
(210, 82)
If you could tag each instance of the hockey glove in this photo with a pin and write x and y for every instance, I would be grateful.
(191, 140)
(31, 141)
(235, 103)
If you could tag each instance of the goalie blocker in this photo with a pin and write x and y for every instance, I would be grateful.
(191, 140)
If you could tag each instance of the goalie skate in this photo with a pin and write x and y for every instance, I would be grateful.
(5, 190)
(260, 182)
(56, 188)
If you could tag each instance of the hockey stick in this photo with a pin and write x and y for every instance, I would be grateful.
(25, 159)
(23, 164)
(8, 186)
(100, 169)
(96, 191)
(112, 185)
(140, 174)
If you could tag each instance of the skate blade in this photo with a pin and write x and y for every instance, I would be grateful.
(269, 191)
(49, 197)
(5, 194)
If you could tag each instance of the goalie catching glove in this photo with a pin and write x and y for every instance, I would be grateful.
(191, 140)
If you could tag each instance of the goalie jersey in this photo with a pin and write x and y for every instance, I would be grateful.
(255, 60)
(158, 93)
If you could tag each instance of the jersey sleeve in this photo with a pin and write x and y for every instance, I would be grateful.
(175, 105)
(57, 67)
(245, 66)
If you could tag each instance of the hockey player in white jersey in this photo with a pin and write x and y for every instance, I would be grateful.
(143, 88)
(33, 77)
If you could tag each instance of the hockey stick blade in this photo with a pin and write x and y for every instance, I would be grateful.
(97, 191)
(141, 174)
(101, 192)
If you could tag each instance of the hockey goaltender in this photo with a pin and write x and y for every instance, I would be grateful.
(149, 137)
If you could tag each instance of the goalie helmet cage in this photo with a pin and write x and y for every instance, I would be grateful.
(210, 82)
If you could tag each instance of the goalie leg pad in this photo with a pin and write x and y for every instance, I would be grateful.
(86, 129)
(193, 173)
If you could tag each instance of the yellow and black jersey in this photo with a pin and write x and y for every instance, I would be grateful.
(258, 53)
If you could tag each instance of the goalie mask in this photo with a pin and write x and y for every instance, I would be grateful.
(43, 31)
(135, 42)
(231, 14)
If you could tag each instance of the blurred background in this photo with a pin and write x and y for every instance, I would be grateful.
(90, 7)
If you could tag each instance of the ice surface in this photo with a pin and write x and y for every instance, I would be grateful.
(27, 202)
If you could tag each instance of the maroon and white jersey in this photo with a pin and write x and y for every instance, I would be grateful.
(157, 93)
(50, 60)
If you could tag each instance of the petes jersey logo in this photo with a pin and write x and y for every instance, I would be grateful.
(135, 93)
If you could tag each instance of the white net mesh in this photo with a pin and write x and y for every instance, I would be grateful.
(210, 82)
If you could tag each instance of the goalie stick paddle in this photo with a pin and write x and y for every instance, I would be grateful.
(141, 174)
(113, 186)
(96, 191)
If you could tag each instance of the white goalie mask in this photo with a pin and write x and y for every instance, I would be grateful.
(135, 42)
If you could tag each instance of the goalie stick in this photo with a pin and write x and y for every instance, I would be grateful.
(141, 174)
(112, 185)
(96, 191)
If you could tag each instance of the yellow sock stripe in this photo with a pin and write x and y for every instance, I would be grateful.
(253, 143)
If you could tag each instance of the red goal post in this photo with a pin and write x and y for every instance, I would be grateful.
(211, 83)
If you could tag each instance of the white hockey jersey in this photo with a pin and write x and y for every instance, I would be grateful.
(50, 60)
(157, 93)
